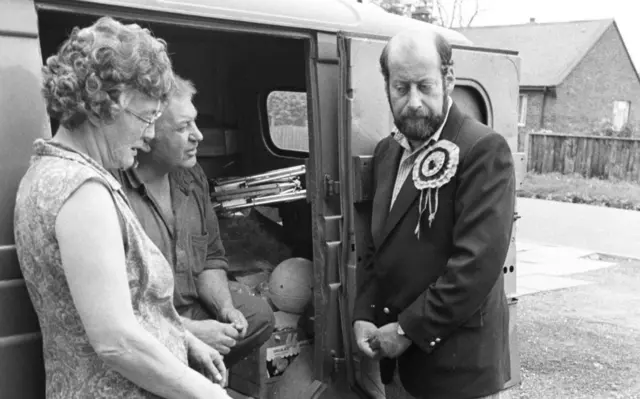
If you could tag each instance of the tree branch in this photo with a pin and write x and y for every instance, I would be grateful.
(452, 13)
(455, 12)
(442, 13)
(460, 16)
(475, 13)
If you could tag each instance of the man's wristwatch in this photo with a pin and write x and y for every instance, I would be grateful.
(400, 330)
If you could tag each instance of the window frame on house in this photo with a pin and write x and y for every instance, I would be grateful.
(625, 117)
(523, 100)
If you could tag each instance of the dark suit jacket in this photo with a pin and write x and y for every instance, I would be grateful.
(445, 289)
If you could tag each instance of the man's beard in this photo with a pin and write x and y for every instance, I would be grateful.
(419, 126)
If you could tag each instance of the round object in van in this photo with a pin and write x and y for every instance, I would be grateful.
(291, 285)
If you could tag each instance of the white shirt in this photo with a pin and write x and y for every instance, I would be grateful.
(408, 156)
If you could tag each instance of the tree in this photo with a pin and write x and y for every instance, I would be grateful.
(287, 108)
(447, 13)
(399, 7)
(457, 13)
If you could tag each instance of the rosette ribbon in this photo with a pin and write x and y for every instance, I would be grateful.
(432, 169)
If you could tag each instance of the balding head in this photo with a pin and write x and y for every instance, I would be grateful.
(416, 43)
(419, 78)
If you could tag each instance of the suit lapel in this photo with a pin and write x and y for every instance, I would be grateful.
(409, 194)
(384, 188)
(406, 197)
(454, 122)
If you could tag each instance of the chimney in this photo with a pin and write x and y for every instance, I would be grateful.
(532, 20)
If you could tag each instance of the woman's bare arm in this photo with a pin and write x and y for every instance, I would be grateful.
(92, 252)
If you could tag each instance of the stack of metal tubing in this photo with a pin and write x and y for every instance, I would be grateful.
(277, 186)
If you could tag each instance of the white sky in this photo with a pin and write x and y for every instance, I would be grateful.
(503, 12)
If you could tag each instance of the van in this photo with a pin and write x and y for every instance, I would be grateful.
(281, 83)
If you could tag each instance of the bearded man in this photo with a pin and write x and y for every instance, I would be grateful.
(430, 301)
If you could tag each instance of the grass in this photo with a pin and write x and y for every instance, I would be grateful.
(581, 190)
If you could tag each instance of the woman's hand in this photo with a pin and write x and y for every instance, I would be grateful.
(206, 360)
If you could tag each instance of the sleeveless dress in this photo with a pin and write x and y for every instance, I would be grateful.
(73, 369)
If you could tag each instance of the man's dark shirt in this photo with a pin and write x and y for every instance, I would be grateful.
(193, 244)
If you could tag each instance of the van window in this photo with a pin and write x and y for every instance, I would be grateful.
(470, 102)
(288, 122)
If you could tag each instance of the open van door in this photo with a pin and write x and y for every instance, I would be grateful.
(487, 88)
(23, 118)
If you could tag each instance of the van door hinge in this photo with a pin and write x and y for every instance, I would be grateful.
(331, 187)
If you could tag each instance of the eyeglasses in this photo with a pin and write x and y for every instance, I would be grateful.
(148, 122)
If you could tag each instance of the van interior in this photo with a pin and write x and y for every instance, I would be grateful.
(245, 83)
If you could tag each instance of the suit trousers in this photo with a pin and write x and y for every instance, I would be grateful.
(499, 395)
(506, 394)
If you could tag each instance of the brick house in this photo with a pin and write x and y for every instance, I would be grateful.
(576, 77)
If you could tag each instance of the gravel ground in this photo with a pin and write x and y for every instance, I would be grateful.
(583, 342)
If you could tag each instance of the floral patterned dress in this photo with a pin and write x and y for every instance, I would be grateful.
(73, 369)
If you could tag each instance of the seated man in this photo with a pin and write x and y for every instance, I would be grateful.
(169, 193)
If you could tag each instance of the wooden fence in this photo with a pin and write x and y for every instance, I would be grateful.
(289, 137)
(589, 156)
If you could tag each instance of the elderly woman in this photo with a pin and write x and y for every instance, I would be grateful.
(101, 289)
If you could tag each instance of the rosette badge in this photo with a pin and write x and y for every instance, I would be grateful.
(432, 169)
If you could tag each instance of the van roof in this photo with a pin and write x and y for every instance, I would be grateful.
(321, 15)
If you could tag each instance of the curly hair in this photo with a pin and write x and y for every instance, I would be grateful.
(95, 65)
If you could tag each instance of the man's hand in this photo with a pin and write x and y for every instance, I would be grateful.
(364, 332)
(390, 343)
(237, 319)
(206, 360)
(220, 336)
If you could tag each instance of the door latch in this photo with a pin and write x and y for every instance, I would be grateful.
(331, 187)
